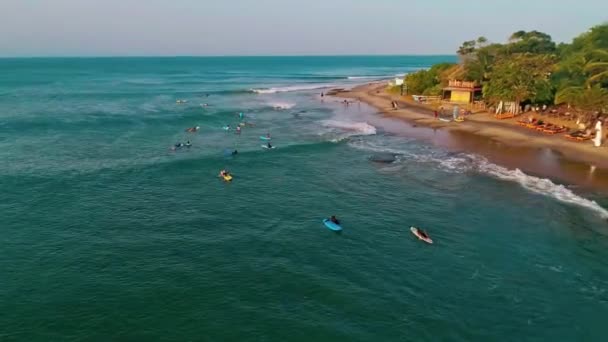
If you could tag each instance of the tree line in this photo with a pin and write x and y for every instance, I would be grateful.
(530, 67)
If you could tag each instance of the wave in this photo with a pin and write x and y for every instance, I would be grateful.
(464, 162)
(281, 105)
(286, 89)
(377, 77)
(361, 128)
(541, 186)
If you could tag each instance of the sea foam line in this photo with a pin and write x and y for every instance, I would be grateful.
(463, 162)
(275, 90)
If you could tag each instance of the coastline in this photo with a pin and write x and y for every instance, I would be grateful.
(503, 141)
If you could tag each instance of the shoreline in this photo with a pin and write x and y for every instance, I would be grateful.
(501, 141)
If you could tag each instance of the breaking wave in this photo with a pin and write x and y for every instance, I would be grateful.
(361, 128)
(275, 90)
(463, 162)
(281, 105)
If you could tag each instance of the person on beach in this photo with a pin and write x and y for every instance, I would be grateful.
(436, 114)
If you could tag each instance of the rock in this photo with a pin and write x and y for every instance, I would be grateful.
(384, 157)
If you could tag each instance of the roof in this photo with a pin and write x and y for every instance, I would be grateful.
(478, 88)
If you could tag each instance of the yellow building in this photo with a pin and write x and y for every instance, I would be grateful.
(461, 91)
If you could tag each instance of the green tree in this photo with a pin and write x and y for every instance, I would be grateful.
(584, 98)
(478, 67)
(594, 39)
(519, 77)
(467, 48)
(569, 96)
(419, 82)
(531, 42)
(597, 68)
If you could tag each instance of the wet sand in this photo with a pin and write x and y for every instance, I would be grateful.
(501, 142)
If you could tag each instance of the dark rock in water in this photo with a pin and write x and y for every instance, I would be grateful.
(386, 158)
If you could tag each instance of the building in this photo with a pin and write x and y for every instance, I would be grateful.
(462, 92)
(397, 82)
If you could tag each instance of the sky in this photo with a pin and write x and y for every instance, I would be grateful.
(278, 27)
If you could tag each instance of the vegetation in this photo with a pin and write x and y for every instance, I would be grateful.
(428, 82)
(530, 67)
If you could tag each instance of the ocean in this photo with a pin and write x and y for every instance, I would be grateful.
(110, 234)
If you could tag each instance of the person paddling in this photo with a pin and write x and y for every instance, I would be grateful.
(334, 219)
(423, 233)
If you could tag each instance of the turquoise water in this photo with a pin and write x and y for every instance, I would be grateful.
(107, 234)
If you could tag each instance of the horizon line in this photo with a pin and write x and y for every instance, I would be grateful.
(227, 56)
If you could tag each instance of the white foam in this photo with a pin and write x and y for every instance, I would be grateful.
(541, 186)
(275, 90)
(461, 162)
(365, 77)
(281, 105)
(361, 128)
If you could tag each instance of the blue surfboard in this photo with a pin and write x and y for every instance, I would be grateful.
(331, 225)
(264, 138)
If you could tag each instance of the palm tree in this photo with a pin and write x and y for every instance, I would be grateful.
(570, 96)
(482, 41)
(583, 98)
(597, 67)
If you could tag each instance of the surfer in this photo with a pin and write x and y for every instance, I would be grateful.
(423, 233)
(193, 129)
(334, 219)
(238, 129)
(269, 146)
(235, 152)
(188, 144)
(268, 135)
(224, 173)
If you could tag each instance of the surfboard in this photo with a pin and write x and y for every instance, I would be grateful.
(332, 226)
(266, 146)
(264, 138)
(414, 231)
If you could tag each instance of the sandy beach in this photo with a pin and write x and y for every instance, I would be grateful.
(500, 140)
